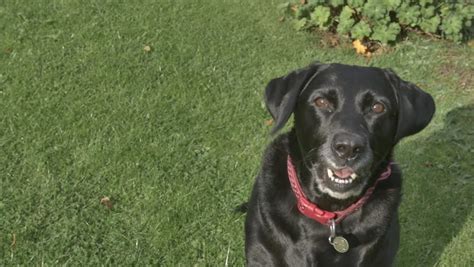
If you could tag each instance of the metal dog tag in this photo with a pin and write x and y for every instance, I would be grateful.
(339, 243)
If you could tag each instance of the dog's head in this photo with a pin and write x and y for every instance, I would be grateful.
(347, 120)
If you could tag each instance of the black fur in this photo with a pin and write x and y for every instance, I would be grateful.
(347, 133)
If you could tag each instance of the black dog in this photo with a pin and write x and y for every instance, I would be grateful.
(328, 191)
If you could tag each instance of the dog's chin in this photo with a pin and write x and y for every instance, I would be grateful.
(339, 183)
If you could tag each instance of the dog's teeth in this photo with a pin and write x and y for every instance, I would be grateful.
(330, 174)
(341, 181)
(336, 179)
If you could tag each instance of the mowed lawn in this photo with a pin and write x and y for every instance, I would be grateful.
(173, 136)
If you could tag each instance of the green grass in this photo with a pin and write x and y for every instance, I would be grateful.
(174, 136)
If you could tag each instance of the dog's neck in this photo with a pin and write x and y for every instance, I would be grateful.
(308, 183)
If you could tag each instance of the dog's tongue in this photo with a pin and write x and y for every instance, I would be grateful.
(344, 173)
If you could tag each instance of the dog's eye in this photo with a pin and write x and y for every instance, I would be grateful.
(321, 102)
(378, 108)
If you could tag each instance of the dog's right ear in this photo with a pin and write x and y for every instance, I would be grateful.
(281, 94)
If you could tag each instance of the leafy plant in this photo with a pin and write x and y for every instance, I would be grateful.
(384, 21)
(386, 33)
(320, 16)
(345, 20)
(360, 30)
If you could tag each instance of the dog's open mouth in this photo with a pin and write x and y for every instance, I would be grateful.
(342, 176)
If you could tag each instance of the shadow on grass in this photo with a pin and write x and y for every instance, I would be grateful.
(438, 186)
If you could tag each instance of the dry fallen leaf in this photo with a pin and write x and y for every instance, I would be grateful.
(269, 122)
(147, 48)
(359, 47)
(106, 202)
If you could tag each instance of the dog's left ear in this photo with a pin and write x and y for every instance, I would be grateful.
(282, 93)
(415, 107)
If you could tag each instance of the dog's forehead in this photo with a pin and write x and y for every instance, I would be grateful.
(352, 80)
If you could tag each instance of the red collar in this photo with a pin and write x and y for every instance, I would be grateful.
(312, 211)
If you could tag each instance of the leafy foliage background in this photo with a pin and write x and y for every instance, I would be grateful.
(384, 20)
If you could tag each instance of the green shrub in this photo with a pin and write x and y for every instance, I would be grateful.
(384, 20)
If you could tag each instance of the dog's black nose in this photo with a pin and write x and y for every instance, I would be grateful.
(347, 146)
